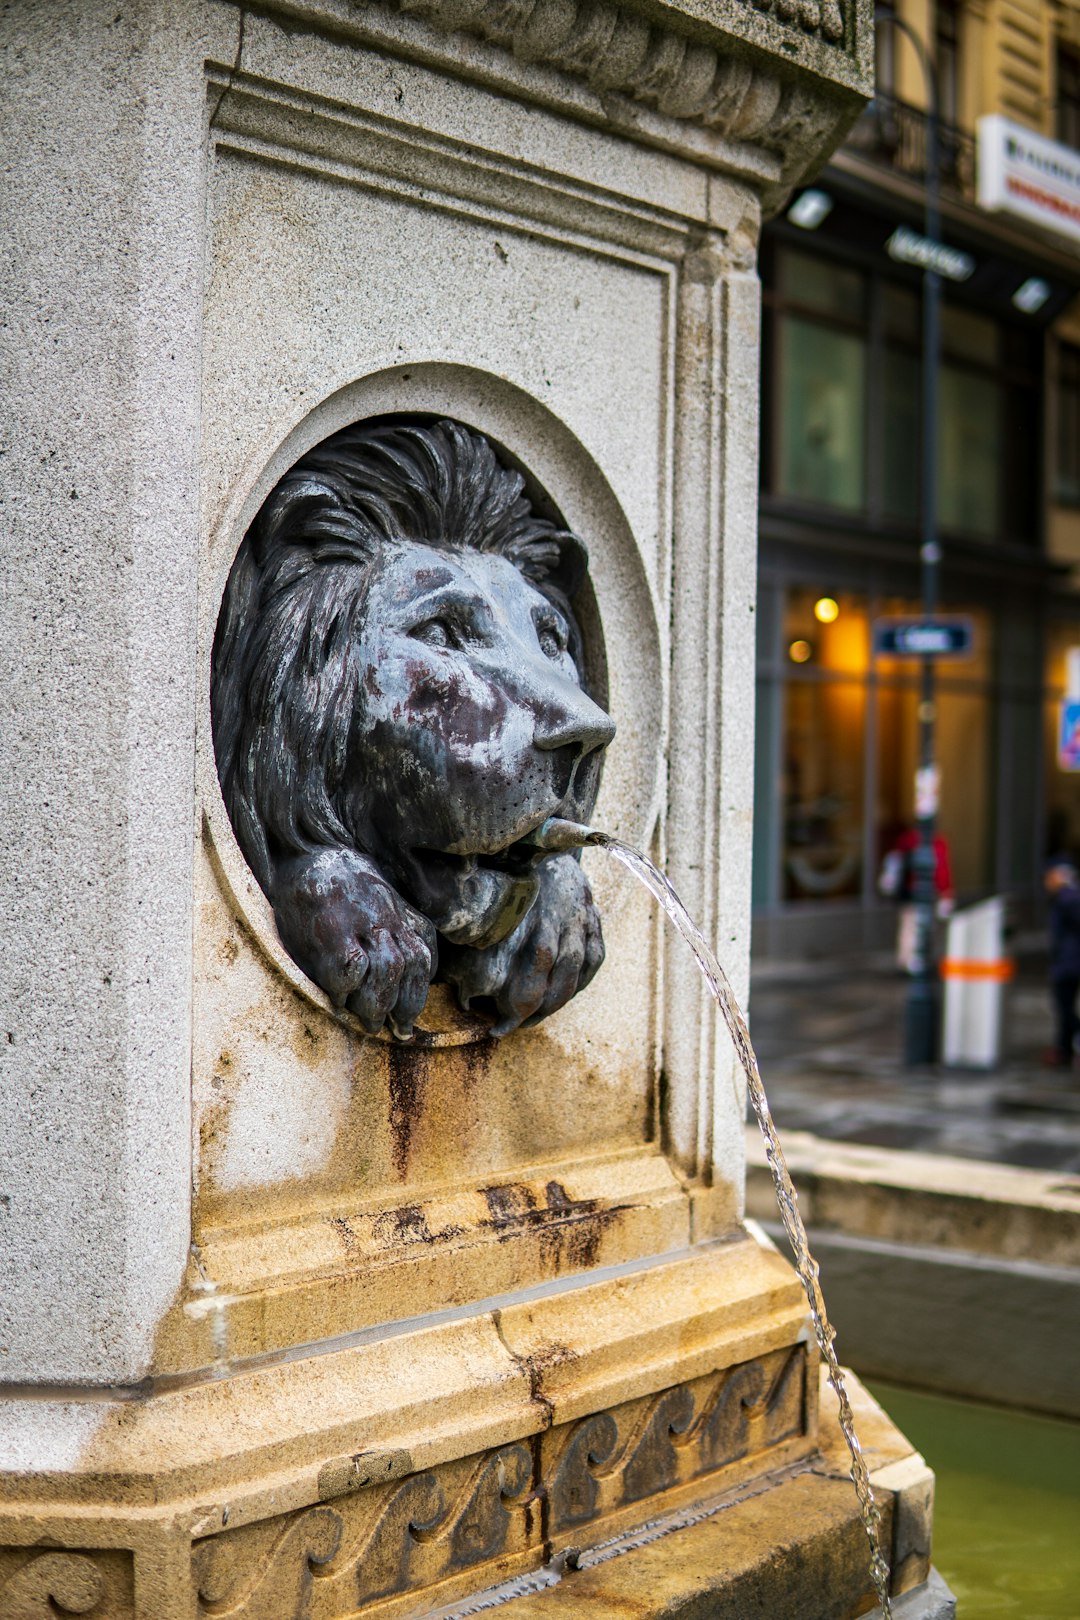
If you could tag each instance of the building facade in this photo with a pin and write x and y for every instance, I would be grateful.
(841, 477)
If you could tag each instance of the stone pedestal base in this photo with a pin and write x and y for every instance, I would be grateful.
(591, 1428)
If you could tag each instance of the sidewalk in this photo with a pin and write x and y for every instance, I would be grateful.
(828, 1036)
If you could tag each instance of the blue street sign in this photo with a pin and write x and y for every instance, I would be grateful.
(923, 638)
(1069, 735)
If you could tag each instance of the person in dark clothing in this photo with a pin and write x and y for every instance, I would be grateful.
(1063, 887)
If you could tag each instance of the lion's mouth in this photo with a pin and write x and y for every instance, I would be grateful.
(516, 859)
(476, 898)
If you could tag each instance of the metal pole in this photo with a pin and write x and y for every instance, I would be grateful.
(921, 1011)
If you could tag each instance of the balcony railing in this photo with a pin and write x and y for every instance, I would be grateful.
(893, 133)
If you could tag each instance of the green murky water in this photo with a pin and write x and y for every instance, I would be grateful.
(1007, 1510)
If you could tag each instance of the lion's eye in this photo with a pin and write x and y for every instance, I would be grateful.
(552, 638)
(435, 633)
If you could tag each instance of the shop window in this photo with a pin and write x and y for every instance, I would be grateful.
(826, 633)
(822, 414)
(962, 749)
(823, 748)
(1062, 787)
(822, 769)
(826, 650)
(1067, 470)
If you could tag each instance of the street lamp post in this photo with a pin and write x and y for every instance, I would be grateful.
(921, 1010)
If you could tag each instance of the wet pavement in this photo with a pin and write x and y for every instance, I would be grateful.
(828, 1036)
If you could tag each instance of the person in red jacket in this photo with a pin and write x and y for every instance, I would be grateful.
(897, 881)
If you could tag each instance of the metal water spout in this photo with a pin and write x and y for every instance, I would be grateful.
(555, 835)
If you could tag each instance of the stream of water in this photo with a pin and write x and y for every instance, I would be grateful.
(786, 1196)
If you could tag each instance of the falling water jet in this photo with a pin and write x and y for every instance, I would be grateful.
(556, 834)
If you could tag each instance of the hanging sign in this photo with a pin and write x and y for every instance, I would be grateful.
(1028, 175)
(1068, 751)
(923, 638)
(908, 247)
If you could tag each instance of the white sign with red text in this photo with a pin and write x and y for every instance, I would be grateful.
(1027, 175)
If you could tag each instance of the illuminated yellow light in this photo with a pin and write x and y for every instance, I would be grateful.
(825, 610)
(800, 651)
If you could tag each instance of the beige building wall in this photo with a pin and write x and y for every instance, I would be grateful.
(1007, 57)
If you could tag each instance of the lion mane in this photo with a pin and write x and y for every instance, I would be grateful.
(287, 667)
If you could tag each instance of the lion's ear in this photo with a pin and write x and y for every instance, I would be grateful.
(307, 512)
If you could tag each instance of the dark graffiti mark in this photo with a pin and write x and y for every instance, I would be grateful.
(570, 1230)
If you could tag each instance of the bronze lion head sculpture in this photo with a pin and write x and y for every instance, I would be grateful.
(399, 700)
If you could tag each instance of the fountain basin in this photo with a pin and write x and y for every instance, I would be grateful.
(941, 1273)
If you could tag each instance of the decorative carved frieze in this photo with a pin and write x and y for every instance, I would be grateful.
(331, 1560)
(621, 49)
(605, 1462)
(370, 1545)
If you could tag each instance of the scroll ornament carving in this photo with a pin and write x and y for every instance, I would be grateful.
(677, 1436)
(328, 1561)
(53, 1583)
(615, 49)
(367, 1546)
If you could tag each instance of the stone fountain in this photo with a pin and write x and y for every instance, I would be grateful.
(381, 478)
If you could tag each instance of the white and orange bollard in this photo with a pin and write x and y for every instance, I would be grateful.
(975, 970)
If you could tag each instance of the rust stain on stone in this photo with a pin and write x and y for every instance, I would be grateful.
(407, 1073)
(476, 1060)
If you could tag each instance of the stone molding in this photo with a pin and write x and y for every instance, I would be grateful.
(731, 1463)
(716, 78)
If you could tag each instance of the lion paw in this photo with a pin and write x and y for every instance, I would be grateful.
(356, 937)
(552, 954)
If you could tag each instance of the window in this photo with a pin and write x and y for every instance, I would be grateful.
(1067, 469)
(947, 59)
(843, 403)
(1062, 788)
(826, 644)
(822, 414)
(969, 452)
(835, 761)
(885, 61)
(821, 353)
(1067, 105)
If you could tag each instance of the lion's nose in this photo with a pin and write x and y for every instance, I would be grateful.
(573, 722)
